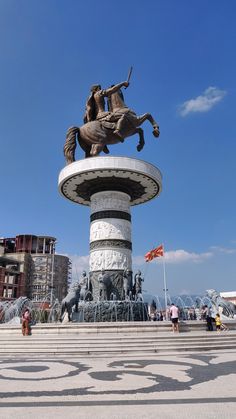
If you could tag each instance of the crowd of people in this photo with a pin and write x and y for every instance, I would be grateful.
(174, 313)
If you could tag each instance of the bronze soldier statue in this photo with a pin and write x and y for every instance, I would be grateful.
(96, 107)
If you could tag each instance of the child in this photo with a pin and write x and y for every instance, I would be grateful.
(219, 325)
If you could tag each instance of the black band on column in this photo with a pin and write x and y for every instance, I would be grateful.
(110, 214)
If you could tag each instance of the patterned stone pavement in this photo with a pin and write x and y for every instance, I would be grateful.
(190, 385)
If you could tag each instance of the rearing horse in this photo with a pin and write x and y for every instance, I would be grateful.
(94, 136)
(71, 299)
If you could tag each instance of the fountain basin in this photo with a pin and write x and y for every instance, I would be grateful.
(111, 311)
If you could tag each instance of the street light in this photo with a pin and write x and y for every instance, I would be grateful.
(52, 251)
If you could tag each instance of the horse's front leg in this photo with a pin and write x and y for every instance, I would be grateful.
(141, 139)
(61, 316)
(149, 117)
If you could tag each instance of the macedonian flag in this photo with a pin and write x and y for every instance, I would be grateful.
(154, 253)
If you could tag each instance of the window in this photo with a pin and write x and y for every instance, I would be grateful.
(11, 279)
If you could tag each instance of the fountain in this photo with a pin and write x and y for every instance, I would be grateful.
(219, 304)
(110, 311)
(114, 310)
(11, 311)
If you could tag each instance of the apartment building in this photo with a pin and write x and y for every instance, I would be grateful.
(29, 266)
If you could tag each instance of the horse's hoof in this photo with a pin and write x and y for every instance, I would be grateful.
(106, 150)
(156, 132)
(139, 147)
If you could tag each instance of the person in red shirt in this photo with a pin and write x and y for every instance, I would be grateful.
(174, 314)
(26, 323)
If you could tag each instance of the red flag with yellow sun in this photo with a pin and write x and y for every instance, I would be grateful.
(154, 253)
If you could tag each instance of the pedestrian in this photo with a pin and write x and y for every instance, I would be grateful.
(208, 317)
(203, 312)
(219, 325)
(26, 330)
(174, 314)
(198, 313)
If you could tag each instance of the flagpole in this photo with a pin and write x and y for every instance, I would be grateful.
(164, 278)
(157, 252)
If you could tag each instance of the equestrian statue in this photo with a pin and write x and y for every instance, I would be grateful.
(106, 123)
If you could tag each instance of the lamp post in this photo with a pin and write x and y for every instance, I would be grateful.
(52, 248)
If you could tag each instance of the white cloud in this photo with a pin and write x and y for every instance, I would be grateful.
(181, 256)
(203, 103)
(176, 257)
(223, 250)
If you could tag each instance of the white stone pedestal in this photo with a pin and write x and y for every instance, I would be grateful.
(110, 186)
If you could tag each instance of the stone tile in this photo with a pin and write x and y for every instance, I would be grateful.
(191, 385)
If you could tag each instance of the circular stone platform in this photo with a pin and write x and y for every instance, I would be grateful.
(80, 180)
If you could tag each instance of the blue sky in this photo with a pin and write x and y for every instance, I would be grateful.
(183, 54)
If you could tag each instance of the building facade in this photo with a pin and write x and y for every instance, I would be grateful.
(229, 296)
(12, 281)
(41, 274)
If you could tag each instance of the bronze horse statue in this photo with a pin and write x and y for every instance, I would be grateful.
(94, 136)
(71, 300)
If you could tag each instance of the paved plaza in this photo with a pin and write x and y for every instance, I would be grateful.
(189, 385)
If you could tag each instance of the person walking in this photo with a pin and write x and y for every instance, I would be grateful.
(174, 315)
(209, 318)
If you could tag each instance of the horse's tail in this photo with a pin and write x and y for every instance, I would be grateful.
(70, 144)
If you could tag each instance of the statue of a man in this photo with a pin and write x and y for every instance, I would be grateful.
(95, 106)
(138, 283)
(84, 285)
(127, 283)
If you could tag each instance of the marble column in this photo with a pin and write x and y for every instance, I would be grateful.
(110, 238)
